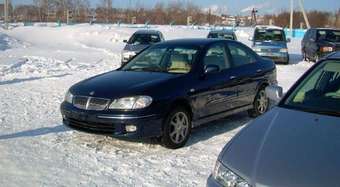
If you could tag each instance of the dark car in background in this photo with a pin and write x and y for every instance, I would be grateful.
(171, 87)
(271, 42)
(223, 34)
(318, 42)
(295, 144)
(140, 40)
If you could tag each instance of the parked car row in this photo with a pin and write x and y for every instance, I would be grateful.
(166, 88)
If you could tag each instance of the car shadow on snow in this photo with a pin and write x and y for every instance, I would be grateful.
(35, 132)
(218, 127)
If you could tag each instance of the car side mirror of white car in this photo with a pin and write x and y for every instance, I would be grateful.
(250, 38)
(274, 93)
(125, 41)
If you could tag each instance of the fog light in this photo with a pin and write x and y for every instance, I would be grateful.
(130, 128)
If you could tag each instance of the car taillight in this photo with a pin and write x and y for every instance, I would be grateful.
(326, 49)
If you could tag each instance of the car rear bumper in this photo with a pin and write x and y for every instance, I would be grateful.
(112, 124)
(276, 57)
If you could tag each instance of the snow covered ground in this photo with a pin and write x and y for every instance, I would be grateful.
(39, 63)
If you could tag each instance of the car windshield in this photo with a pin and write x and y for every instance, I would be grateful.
(146, 39)
(164, 59)
(269, 35)
(328, 35)
(227, 36)
(319, 92)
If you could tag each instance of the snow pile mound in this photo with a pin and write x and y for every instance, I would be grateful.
(33, 67)
(7, 42)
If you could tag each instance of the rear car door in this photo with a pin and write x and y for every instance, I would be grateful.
(247, 71)
(215, 92)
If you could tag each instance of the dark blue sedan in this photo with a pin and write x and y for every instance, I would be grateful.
(170, 88)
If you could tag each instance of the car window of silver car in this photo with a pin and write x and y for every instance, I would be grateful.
(319, 91)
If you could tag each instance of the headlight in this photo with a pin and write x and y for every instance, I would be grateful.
(131, 103)
(69, 97)
(227, 178)
(257, 49)
(284, 50)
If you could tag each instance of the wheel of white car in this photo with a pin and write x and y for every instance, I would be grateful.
(177, 128)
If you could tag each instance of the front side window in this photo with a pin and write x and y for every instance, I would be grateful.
(320, 91)
(216, 55)
(146, 39)
(240, 54)
(164, 59)
(269, 35)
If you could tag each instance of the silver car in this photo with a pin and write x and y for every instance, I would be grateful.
(296, 144)
(140, 40)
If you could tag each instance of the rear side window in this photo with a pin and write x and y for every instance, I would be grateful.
(241, 55)
(216, 55)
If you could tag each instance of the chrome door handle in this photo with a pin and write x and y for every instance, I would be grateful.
(259, 71)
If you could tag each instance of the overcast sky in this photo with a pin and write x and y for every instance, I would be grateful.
(229, 6)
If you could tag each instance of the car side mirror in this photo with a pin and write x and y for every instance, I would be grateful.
(274, 93)
(288, 40)
(209, 69)
(125, 41)
(250, 38)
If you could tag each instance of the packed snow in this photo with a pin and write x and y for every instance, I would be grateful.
(37, 66)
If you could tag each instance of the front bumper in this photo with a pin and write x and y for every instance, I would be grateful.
(147, 125)
(276, 57)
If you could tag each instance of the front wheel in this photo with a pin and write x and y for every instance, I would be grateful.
(260, 104)
(177, 128)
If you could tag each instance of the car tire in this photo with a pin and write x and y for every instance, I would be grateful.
(176, 128)
(260, 104)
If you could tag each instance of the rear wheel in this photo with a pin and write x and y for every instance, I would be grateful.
(260, 104)
(177, 128)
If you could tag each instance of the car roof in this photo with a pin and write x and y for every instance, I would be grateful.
(268, 27)
(192, 41)
(144, 31)
(327, 29)
(229, 31)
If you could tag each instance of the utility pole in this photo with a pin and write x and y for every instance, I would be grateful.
(304, 14)
(291, 18)
(6, 11)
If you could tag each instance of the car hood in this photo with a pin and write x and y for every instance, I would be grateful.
(135, 48)
(117, 84)
(270, 44)
(287, 148)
